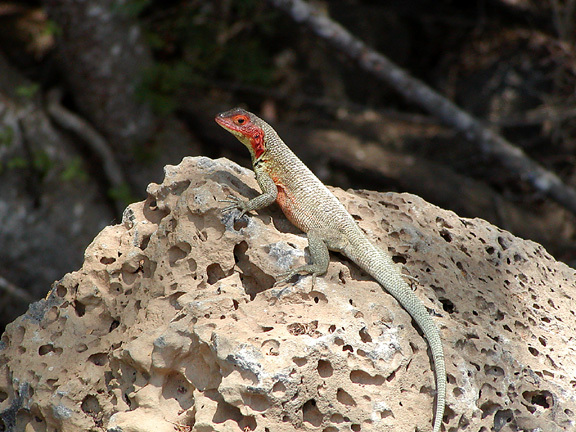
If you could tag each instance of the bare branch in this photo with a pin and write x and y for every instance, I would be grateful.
(91, 137)
(489, 143)
(15, 292)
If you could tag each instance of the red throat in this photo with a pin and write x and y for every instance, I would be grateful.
(243, 124)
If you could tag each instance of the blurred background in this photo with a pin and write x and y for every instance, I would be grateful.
(97, 96)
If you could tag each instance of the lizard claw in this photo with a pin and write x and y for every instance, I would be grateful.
(285, 277)
(235, 203)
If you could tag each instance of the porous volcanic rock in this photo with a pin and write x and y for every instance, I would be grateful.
(175, 323)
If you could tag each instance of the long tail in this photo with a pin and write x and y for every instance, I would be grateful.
(381, 267)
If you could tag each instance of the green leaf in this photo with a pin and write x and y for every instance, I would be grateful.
(27, 91)
(6, 136)
(74, 171)
(122, 193)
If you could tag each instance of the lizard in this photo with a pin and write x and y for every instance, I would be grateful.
(310, 206)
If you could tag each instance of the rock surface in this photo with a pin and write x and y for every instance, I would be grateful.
(174, 323)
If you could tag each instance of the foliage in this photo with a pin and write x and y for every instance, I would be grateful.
(39, 162)
(122, 194)
(200, 42)
(28, 91)
(6, 136)
(74, 171)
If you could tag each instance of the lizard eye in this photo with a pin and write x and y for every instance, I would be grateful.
(240, 120)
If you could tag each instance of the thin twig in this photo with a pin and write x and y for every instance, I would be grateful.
(96, 142)
(13, 291)
(537, 116)
(414, 90)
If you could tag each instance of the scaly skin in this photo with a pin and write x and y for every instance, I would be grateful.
(309, 205)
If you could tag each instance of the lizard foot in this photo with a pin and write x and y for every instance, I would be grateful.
(304, 270)
(234, 203)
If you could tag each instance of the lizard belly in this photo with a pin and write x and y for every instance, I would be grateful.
(288, 205)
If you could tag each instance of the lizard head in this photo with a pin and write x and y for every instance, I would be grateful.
(246, 127)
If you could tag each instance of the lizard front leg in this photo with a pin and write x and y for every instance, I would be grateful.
(266, 198)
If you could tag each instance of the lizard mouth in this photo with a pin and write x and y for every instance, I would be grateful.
(227, 124)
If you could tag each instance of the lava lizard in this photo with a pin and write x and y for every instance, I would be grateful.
(310, 206)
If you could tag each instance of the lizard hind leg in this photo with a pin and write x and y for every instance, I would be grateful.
(319, 257)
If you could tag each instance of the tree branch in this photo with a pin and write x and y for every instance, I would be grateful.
(489, 143)
(15, 292)
(96, 142)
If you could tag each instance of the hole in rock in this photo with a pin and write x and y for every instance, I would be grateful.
(365, 336)
(192, 265)
(45, 349)
(311, 414)
(254, 279)
(542, 398)
(215, 273)
(271, 347)
(445, 234)
(300, 361)
(144, 242)
(493, 370)
(447, 305)
(61, 291)
(116, 287)
(344, 397)
(503, 243)
(240, 223)
(325, 369)
(337, 418)
(457, 392)
(178, 252)
(279, 388)
(502, 418)
(152, 212)
(399, 259)
(81, 347)
(355, 427)
(79, 308)
(348, 348)
(361, 377)
(106, 260)
(90, 405)
(99, 359)
(114, 325)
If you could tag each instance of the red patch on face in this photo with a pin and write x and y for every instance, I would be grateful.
(257, 141)
(243, 124)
